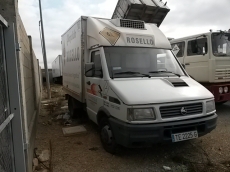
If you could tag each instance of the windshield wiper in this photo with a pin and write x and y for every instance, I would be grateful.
(132, 73)
(166, 72)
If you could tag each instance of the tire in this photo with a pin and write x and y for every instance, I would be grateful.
(75, 109)
(72, 110)
(70, 105)
(106, 135)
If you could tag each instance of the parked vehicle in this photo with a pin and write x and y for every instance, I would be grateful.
(57, 70)
(206, 58)
(125, 75)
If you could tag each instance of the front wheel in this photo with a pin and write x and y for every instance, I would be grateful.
(107, 138)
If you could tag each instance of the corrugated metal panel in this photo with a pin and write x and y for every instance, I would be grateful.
(150, 11)
(222, 75)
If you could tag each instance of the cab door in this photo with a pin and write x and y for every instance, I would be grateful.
(94, 86)
(197, 58)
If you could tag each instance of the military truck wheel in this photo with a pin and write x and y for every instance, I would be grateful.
(107, 138)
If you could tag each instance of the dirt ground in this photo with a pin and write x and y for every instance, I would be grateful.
(84, 152)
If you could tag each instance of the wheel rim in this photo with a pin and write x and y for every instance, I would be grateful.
(106, 135)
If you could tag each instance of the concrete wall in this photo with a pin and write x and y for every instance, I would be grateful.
(30, 87)
(29, 77)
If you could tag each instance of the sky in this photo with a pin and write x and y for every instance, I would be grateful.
(186, 17)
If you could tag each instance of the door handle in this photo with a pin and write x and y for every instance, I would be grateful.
(88, 83)
(187, 64)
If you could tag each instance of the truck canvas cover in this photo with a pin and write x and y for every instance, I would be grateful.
(150, 11)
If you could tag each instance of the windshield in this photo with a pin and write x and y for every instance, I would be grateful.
(221, 44)
(141, 62)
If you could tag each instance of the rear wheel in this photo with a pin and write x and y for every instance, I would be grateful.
(70, 106)
(107, 138)
(76, 109)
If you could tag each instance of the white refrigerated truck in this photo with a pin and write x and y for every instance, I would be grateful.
(206, 58)
(57, 69)
(125, 75)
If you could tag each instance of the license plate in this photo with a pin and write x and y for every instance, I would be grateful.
(184, 136)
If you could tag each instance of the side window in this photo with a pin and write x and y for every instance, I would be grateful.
(195, 47)
(178, 49)
(96, 59)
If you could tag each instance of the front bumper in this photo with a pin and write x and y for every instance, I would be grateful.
(133, 135)
(214, 89)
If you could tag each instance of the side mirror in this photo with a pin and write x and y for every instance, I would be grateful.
(89, 69)
(204, 51)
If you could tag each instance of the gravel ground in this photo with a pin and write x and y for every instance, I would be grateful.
(85, 153)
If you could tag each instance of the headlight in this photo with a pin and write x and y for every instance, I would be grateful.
(141, 114)
(226, 89)
(210, 106)
(221, 90)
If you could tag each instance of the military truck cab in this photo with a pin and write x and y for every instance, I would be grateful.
(206, 58)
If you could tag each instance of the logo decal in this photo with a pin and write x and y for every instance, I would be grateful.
(176, 49)
(110, 35)
(140, 40)
(183, 111)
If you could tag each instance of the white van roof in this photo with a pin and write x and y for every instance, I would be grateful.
(123, 32)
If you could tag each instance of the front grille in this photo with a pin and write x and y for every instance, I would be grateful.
(176, 111)
(222, 74)
(132, 24)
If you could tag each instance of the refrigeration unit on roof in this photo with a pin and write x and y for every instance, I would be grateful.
(135, 24)
(149, 11)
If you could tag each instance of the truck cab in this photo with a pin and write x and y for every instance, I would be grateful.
(206, 58)
(132, 86)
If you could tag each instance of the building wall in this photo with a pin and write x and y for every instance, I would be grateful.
(29, 77)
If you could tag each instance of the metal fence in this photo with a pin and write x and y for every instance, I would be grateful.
(6, 146)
